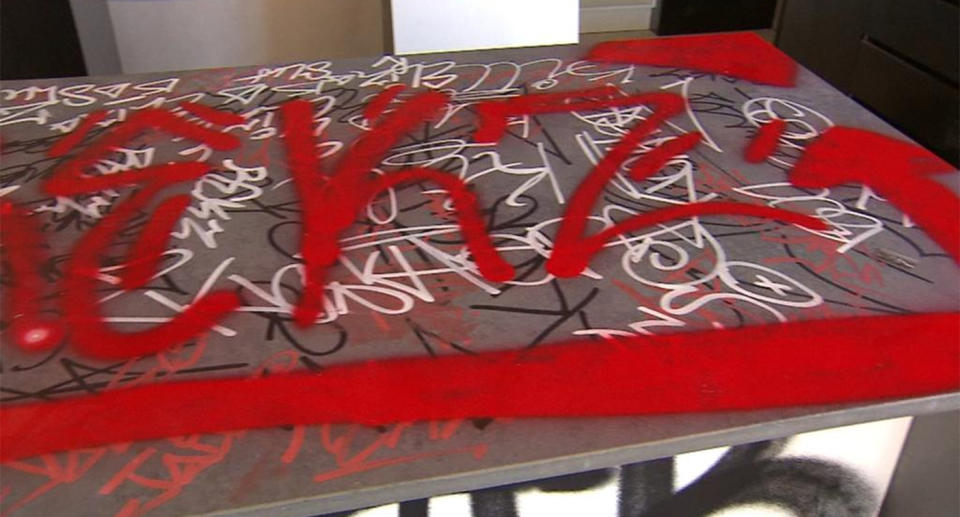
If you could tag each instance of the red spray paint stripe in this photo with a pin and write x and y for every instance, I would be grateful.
(570, 235)
(308, 179)
(574, 260)
(791, 364)
(90, 334)
(69, 179)
(379, 104)
(212, 115)
(567, 258)
(656, 158)
(154, 176)
(743, 55)
(145, 254)
(765, 143)
(352, 173)
(332, 207)
(24, 253)
(68, 142)
(897, 170)
(492, 123)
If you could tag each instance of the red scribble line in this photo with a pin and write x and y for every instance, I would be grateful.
(443, 430)
(127, 470)
(897, 170)
(765, 143)
(478, 451)
(856, 359)
(181, 468)
(743, 55)
(352, 463)
(296, 443)
(71, 471)
(23, 249)
(167, 363)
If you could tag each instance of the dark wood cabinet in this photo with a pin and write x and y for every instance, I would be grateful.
(691, 16)
(38, 39)
(899, 58)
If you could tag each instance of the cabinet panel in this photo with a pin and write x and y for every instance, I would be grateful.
(917, 102)
(923, 31)
(823, 35)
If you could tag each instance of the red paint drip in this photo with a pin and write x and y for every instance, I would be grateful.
(212, 115)
(23, 250)
(379, 104)
(765, 143)
(743, 55)
(857, 359)
(897, 170)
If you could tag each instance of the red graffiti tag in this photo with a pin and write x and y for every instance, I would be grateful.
(858, 359)
(897, 170)
(89, 333)
(743, 55)
(870, 358)
(572, 251)
(330, 202)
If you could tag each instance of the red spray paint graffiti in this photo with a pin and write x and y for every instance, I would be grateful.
(864, 359)
(856, 359)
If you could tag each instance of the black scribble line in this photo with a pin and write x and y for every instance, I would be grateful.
(422, 334)
(79, 382)
(557, 151)
(564, 313)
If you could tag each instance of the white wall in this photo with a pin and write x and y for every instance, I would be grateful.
(434, 26)
(154, 35)
(130, 36)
